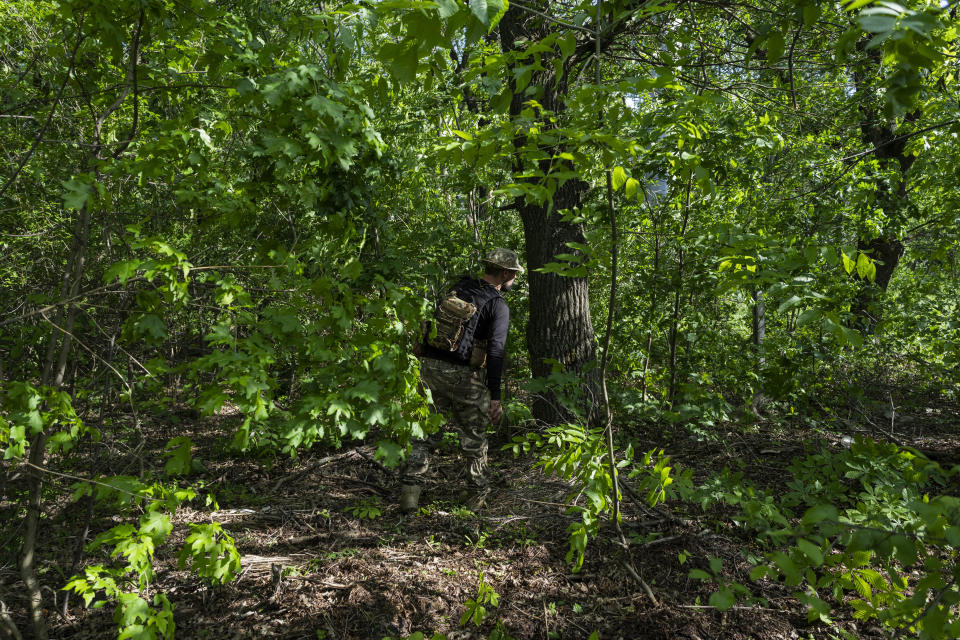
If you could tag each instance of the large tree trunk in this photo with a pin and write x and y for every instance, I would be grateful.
(889, 147)
(560, 328)
(867, 305)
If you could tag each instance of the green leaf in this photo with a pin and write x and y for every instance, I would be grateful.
(811, 550)
(819, 513)
(716, 565)
(861, 586)
(866, 268)
(723, 599)
(179, 460)
(389, 452)
(632, 186)
(699, 574)
(567, 44)
(789, 303)
(479, 9)
(905, 550)
(775, 46)
(447, 8)
(133, 611)
(122, 271)
(811, 13)
(501, 102)
(157, 525)
(877, 23)
(151, 324)
(368, 390)
(402, 60)
(787, 567)
(352, 269)
(817, 609)
(619, 178)
(76, 194)
(496, 9)
(952, 535)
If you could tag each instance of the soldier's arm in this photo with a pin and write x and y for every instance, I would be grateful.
(496, 347)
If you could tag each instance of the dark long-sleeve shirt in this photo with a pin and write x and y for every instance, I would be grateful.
(492, 326)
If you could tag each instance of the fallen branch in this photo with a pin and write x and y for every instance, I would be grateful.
(735, 607)
(324, 583)
(371, 485)
(7, 625)
(314, 465)
(659, 541)
(299, 541)
(366, 456)
(643, 583)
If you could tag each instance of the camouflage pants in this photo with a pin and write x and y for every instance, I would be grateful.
(461, 395)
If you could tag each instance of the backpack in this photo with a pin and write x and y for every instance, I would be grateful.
(456, 318)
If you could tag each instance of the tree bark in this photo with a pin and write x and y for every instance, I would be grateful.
(889, 148)
(678, 290)
(52, 375)
(759, 323)
(867, 305)
(560, 329)
(652, 309)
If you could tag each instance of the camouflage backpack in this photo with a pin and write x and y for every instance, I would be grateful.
(456, 318)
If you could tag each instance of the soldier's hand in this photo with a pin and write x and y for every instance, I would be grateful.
(496, 410)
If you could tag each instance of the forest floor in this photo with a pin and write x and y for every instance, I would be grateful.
(312, 567)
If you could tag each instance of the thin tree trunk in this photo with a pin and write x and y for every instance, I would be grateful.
(759, 334)
(475, 212)
(605, 357)
(675, 321)
(759, 324)
(611, 310)
(651, 313)
(28, 560)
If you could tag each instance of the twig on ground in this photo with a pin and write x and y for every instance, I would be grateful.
(660, 541)
(293, 516)
(546, 621)
(736, 607)
(507, 521)
(372, 485)
(550, 504)
(628, 565)
(7, 623)
(324, 583)
(314, 465)
(297, 541)
(375, 462)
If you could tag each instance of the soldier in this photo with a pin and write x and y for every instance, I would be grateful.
(462, 366)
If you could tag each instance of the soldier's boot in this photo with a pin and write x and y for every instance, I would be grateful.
(474, 498)
(409, 498)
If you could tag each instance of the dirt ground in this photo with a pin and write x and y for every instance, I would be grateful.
(327, 554)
